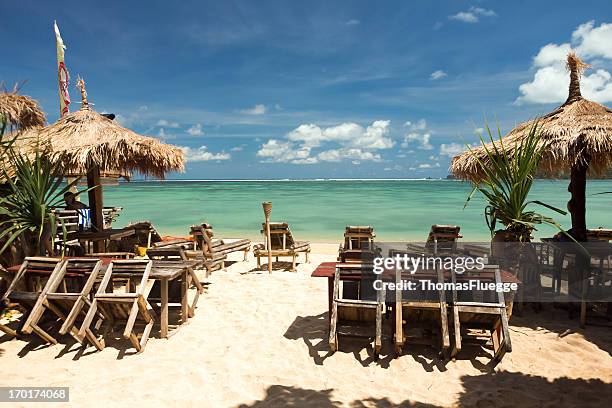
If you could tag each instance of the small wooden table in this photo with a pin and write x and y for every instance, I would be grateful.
(166, 271)
(109, 234)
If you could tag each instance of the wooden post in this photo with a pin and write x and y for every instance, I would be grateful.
(96, 204)
(267, 207)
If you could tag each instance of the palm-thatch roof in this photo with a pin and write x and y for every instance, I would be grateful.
(577, 131)
(86, 138)
(21, 111)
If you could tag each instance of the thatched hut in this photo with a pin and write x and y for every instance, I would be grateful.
(21, 111)
(578, 135)
(86, 142)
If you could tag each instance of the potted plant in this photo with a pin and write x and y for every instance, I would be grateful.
(508, 175)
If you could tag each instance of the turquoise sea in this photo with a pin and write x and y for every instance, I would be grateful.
(319, 210)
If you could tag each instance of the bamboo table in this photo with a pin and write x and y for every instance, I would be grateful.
(109, 234)
(167, 271)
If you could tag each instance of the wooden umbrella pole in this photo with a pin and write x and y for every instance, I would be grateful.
(96, 203)
(267, 207)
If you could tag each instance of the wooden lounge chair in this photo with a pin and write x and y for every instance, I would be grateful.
(358, 245)
(359, 309)
(443, 238)
(127, 306)
(281, 243)
(203, 238)
(422, 308)
(27, 286)
(67, 296)
(180, 251)
(481, 310)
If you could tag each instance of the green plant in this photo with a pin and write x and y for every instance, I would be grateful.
(506, 182)
(33, 186)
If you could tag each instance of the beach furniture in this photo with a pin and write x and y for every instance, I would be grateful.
(443, 238)
(128, 306)
(203, 238)
(480, 310)
(281, 244)
(353, 311)
(67, 296)
(358, 245)
(181, 251)
(172, 280)
(421, 309)
(26, 287)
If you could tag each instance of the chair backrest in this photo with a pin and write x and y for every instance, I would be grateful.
(443, 238)
(131, 269)
(358, 237)
(202, 238)
(280, 236)
(479, 294)
(39, 267)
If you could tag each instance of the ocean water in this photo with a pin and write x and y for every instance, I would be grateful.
(319, 210)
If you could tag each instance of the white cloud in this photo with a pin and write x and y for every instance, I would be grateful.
(417, 134)
(352, 22)
(277, 151)
(451, 149)
(196, 130)
(439, 74)
(167, 124)
(201, 153)
(237, 148)
(551, 80)
(425, 166)
(258, 109)
(355, 143)
(472, 15)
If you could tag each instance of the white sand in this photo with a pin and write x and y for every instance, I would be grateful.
(260, 340)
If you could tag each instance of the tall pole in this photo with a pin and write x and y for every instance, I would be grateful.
(267, 207)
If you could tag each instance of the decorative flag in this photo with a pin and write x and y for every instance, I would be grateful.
(62, 73)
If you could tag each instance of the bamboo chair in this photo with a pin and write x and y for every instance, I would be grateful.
(66, 294)
(179, 252)
(358, 245)
(443, 238)
(481, 310)
(202, 238)
(33, 276)
(359, 309)
(421, 307)
(282, 244)
(128, 306)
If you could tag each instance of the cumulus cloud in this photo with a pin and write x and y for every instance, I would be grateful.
(258, 109)
(551, 80)
(193, 154)
(196, 130)
(472, 15)
(439, 74)
(167, 124)
(355, 143)
(352, 22)
(451, 149)
(418, 134)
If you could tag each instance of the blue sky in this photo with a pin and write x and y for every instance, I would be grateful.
(263, 89)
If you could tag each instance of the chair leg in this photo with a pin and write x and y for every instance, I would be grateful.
(293, 269)
(246, 254)
(8, 330)
(43, 334)
(378, 338)
(457, 329)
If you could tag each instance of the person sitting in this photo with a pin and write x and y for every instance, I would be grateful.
(72, 203)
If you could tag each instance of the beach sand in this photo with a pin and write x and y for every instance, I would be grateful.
(259, 340)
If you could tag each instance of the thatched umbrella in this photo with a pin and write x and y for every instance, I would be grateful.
(21, 111)
(579, 138)
(86, 142)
